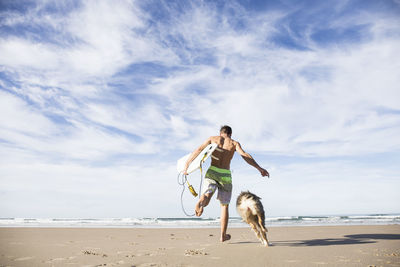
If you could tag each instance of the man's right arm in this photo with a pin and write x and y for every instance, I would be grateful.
(249, 159)
(195, 154)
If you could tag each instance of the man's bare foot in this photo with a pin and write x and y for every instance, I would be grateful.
(225, 238)
(198, 210)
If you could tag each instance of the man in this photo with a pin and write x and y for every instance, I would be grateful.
(218, 176)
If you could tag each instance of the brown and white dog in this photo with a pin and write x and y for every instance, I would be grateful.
(251, 210)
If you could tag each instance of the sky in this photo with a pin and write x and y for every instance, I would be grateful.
(99, 99)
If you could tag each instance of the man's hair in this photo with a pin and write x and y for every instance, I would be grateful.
(226, 129)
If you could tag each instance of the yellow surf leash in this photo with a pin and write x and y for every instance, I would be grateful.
(191, 188)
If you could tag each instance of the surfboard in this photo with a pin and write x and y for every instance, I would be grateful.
(195, 164)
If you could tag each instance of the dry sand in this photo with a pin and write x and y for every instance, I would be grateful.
(290, 246)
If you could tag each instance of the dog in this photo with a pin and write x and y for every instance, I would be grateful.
(251, 210)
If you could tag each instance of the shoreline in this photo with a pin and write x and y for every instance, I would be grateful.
(365, 245)
(185, 222)
(188, 227)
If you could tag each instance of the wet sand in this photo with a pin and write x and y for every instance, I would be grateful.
(290, 246)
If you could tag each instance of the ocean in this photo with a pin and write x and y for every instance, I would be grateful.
(372, 219)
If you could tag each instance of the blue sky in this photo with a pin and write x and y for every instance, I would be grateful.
(100, 98)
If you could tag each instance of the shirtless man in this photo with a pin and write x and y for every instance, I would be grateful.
(218, 176)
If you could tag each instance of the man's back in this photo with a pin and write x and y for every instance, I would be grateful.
(225, 151)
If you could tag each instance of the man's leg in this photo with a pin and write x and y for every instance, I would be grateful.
(224, 222)
(203, 202)
(208, 189)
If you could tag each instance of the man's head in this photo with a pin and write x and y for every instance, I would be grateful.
(226, 130)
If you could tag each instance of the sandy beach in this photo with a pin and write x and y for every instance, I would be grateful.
(290, 246)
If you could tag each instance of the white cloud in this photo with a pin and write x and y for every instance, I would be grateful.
(29, 130)
(105, 39)
(23, 53)
(18, 117)
(267, 96)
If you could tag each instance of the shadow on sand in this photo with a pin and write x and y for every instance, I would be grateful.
(345, 240)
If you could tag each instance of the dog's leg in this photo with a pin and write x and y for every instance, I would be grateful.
(256, 230)
(264, 237)
(261, 223)
(263, 231)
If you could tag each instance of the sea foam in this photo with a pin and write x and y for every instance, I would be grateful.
(371, 219)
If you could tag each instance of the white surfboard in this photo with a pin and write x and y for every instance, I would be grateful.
(195, 164)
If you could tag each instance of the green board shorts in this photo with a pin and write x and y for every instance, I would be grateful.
(221, 179)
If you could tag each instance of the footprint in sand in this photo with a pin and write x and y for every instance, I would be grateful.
(88, 252)
(392, 255)
(130, 256)
(195, 252)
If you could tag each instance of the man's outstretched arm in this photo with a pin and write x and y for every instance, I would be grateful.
(249, 159)
(196, 153)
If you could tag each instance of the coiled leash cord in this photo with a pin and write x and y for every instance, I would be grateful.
(182, 180)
